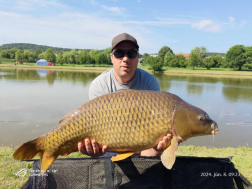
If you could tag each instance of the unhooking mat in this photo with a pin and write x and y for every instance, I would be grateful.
(138, 173)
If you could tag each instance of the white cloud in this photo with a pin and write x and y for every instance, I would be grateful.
(243, 23)
(113, 9)
(69, 30)
(234, 24)
(152, 22)
(139, 1)
(34, 4)
(207, 25)
(231, 19)
(94, 2)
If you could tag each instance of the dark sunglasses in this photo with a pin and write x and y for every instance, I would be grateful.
(132, 53)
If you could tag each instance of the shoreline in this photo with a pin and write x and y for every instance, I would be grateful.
(200, 73)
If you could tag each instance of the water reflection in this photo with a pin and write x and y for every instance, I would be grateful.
(32, 102)
(194, 89)
(235, 94)
(233, 89)
(48, 75)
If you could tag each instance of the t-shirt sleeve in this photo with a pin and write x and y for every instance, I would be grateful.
(95, 90)
(153, 84)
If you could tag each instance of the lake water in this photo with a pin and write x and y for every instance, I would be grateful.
(33, 101)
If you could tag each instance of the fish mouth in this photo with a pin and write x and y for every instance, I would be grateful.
(214, 128)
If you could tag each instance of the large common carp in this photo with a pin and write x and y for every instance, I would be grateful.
(126, 121)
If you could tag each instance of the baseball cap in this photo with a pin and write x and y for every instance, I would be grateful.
(124, 37)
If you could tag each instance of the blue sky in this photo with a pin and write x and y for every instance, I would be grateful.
(182, 25)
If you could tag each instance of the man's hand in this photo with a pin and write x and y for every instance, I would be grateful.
(91, 148)
(164, 143)
(161, 146)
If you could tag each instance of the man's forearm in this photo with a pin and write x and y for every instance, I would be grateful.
(149, 152)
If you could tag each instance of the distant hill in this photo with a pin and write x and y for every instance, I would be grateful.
(33, 47)
(214, 54)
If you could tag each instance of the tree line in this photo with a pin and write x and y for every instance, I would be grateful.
(236, 57)
(94, 56)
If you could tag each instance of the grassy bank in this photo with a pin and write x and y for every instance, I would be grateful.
(8, 166)
(214, 72)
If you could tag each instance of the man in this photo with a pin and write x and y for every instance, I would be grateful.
(123, 75)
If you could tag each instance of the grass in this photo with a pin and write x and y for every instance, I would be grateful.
(214, 72)
(8, 166)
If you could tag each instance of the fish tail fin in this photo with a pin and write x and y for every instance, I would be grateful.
(46, 161)
(28, 150)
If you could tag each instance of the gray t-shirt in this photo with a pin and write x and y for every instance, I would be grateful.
(106, 83)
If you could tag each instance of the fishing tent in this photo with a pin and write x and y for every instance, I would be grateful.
(42, 62)
(139, 173)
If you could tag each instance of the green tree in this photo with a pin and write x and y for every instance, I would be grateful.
(66, 56)
(41, 56)
(248, 63)
(174, 62)
(36, 53)
(180, 57)
(85, 57)
(248, 55)
(168, 57)
(12, 53)
(155, 63)
(218, 61)
(107, 52)
(5, 54)
(236, 57)
(102, 59)
(209, 62)
(31, 57)
(93, 52)
(26, 55)
(182, 63)
(50, 56)
(194, 58)
(92, 60)
(72, 56)
(202, 51)
(145, 55)
(162, 52)
(60, 59)
(19, 55)
(96, 58)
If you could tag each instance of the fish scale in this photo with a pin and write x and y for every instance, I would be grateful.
(124, 121)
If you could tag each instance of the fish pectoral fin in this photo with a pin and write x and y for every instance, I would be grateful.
(168, 157)
(45, 162)
(121, 156)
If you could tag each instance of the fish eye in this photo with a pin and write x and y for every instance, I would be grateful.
(201, 117)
